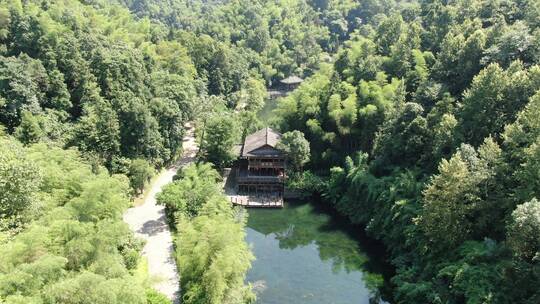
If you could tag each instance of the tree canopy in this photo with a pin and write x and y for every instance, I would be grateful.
(297, 148)
(212, 254)
(424, 130)
(419, 120)
(62, 239)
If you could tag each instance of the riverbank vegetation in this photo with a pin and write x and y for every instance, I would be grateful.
(425, 127)
(211, 252)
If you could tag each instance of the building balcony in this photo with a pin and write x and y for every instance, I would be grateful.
(260, 179)
(262, 164)
(243, 176)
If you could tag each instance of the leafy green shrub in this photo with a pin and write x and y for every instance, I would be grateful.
(155, 297)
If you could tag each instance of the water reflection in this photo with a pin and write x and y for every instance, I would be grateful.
(306, 256)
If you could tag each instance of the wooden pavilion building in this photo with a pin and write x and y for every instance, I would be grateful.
(260, 171)
(291, 83)
(284, 87)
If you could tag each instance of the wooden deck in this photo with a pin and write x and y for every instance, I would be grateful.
(257, 201)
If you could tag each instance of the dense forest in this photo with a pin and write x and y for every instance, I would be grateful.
(67, 241)
(425, 130)
(92, 102)
(418, 120)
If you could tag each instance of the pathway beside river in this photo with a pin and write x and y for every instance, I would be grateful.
(149, 222)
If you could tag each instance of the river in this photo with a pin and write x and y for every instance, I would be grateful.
(305, 255)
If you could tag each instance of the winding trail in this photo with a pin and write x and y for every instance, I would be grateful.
(148, 221)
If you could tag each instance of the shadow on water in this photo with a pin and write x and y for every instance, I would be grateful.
(344, 248)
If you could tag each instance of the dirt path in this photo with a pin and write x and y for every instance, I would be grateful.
(148, 221)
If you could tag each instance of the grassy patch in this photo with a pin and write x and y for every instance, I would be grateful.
(141, 272)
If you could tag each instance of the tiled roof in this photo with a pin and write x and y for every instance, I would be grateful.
(292, 80)
(259, 139)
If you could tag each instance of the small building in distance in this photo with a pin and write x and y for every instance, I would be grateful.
(291, 83)
(284, 87)
(260, 171)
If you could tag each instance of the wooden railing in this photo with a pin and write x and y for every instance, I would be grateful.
(257, 201)
(259, 178)
(262, 164)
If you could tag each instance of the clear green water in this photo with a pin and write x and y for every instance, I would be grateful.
(305, 255)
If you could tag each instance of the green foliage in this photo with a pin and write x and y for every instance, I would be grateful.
(212, 254)
(74, 247)
(458, 201)
(24, 83)
(441, 95)
(118, 90)
(98, 131)
(493, 100)
(214, 258)
(343, 112)
(224, 68)
(29, 130)
(476, 274)
(154, 297)
(448, 200)
(306, 182)
(523, 233)
(402, 137)
(277, 38)
(295, 145)
(521, 141)
(187, 195)
(140, 172)
(221, 133)
(20, 180)
(443, 126)
(443, 98)
(89, 288)
(460, 56)
(251, 98)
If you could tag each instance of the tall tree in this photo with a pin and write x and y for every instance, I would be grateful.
(20, 180)
(221, 133)
(524, 230)
(295, 145)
